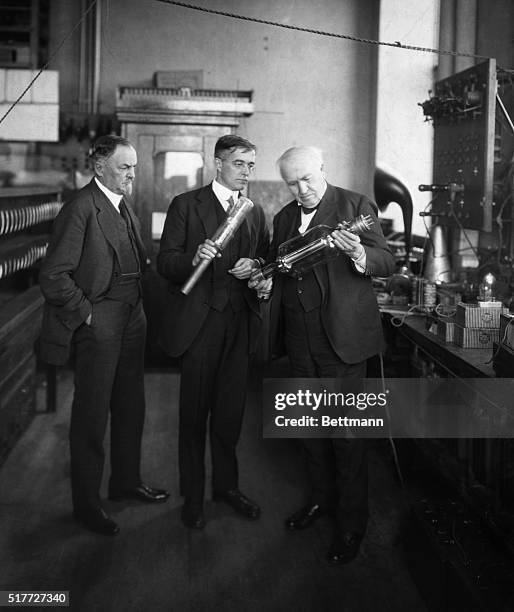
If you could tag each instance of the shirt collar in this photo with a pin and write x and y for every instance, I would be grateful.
(223, 193)
(114, 198)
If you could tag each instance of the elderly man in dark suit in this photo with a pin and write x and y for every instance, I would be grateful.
(330, 326)
(214, 328)
(91, 280)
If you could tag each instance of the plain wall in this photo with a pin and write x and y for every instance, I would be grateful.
(308, 89)
(404, 139)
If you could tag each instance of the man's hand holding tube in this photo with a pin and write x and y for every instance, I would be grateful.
(243, 268)
(211, 248)
(207, 250)
(350, 244)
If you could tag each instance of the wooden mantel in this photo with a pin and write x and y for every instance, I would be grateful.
(182, 105)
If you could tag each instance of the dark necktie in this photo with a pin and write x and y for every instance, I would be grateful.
(126, 217)
(309, 211)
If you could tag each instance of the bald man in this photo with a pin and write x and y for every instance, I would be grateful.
(331, 327)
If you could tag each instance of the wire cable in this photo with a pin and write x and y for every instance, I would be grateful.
(397, 44)
(502, 341)
(505, 112)
(52, 56)
(389, 434)
(461, 227)
(399, 320)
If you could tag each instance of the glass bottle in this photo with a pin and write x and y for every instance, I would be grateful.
(400, 286)
(316, 246)
(486, 288)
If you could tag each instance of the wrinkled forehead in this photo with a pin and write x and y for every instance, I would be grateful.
(300, 165)
(238, 153)
(124, 154)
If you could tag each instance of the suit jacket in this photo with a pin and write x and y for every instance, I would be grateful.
(191, 219)
(79, 267)
(349, 309)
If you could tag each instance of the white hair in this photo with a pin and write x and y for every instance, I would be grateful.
(312, 153)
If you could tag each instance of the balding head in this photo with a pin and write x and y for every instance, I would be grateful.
(305, 153)
(302, 171)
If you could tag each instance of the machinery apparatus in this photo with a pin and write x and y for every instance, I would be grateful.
(389, 188)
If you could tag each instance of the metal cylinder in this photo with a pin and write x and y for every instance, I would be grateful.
(222, 236)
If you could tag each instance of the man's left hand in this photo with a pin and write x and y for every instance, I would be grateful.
(243, 268)
(348, 242)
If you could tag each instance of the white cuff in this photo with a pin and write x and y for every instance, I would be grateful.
(360, 261)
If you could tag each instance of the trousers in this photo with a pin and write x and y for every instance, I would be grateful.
(213, 389)
(109, 380)
(337, 467)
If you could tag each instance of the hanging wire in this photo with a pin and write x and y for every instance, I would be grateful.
(389, 433)
(52, 56)
(397, 44)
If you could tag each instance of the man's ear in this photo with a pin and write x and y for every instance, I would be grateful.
(99, 167)
(217, 163)
(322, 168)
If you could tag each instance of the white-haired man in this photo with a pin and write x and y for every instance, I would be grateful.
(331, 325)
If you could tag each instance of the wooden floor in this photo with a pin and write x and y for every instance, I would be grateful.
(157, 564)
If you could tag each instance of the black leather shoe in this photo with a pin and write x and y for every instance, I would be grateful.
(192, 516)
(344, 548)
(304, 518)
(143, 493)
(239, 502)
(97, 520)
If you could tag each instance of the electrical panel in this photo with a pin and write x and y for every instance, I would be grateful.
(463, 112)
(503, 218)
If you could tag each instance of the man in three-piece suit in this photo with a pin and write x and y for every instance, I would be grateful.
(330, 325)
(214, 328)
(91, 280)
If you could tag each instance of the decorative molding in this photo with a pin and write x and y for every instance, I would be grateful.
(182, 105)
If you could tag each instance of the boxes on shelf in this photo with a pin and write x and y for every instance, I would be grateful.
(475, 316)
(446, 329)
(475, 337)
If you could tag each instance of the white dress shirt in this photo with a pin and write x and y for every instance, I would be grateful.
(114, 198)
(224, 194)
(306, 218)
